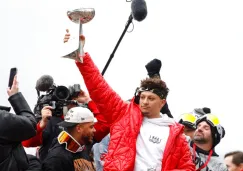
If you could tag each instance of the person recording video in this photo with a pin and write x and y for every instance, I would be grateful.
(51, 108)
(15, 128)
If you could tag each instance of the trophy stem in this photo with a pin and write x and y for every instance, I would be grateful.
(81, 52)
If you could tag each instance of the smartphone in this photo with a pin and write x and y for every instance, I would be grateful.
(13, 72)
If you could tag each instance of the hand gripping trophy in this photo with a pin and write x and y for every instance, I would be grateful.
(80, 16)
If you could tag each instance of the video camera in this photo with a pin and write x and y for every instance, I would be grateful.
(57, 97)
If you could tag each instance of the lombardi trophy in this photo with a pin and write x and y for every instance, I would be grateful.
(79, 16)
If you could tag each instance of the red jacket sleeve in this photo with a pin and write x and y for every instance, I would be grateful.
(36, 140)
(102, 127)
(109, 103)
(185, 163)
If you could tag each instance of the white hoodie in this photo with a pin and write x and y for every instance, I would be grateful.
(151, 142)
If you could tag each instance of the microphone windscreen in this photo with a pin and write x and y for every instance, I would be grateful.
(44, 83)
(139, 9)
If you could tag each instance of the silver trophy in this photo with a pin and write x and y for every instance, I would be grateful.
(80, 16)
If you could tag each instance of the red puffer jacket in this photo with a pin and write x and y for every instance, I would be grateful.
(126, 119)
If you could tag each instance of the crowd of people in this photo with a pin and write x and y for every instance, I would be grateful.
(104, 132)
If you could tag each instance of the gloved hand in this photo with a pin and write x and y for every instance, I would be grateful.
(153, 67)
(206, 110)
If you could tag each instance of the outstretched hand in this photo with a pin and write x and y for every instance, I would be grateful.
(46, 114)
(83, 97)
(15, 87)
(75, 54)
(67, 37)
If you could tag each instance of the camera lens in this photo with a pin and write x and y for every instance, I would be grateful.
(61, 93)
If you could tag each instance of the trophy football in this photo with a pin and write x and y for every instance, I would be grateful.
(79, 16)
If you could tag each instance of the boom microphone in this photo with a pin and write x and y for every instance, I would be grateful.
(139, 13)
(44, 83)
(139, 9)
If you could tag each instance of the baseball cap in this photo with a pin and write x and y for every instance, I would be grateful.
(77, 115)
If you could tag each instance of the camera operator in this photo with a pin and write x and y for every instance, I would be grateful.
(48, 129)
(15, 128)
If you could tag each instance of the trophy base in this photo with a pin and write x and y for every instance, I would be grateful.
(74, 55)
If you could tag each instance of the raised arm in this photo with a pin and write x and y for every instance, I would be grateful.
(107, 100)
(21, 126)
(35, 141)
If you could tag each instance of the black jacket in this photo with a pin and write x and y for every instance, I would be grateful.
(13, 130)
(50, 132)
(59, 159)
(34, 163)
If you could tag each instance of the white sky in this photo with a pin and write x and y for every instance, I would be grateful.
(199, 43)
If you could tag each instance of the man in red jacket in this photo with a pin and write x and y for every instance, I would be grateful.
(141, 138)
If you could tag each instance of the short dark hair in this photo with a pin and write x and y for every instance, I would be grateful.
(71, 128)
(237, 157)
(155, 83)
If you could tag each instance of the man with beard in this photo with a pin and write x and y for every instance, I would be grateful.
(189, 120)
(70, 151)
(207, 135)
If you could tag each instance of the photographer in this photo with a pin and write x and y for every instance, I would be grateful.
(48, 129)
(15, 128)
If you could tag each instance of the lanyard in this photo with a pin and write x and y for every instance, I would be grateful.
(194, 157)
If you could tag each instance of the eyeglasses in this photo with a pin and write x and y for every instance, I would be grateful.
(71, 144)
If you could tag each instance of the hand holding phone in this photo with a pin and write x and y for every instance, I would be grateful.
(13, 87)
(13, 72)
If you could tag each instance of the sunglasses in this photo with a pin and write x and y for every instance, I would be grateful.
(71, 144)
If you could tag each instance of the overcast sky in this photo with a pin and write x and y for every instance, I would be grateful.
(199, 43)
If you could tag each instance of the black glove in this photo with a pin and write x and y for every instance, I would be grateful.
(153, 67)
(206, 110)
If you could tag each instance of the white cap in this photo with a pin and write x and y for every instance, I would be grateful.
(77, 115)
